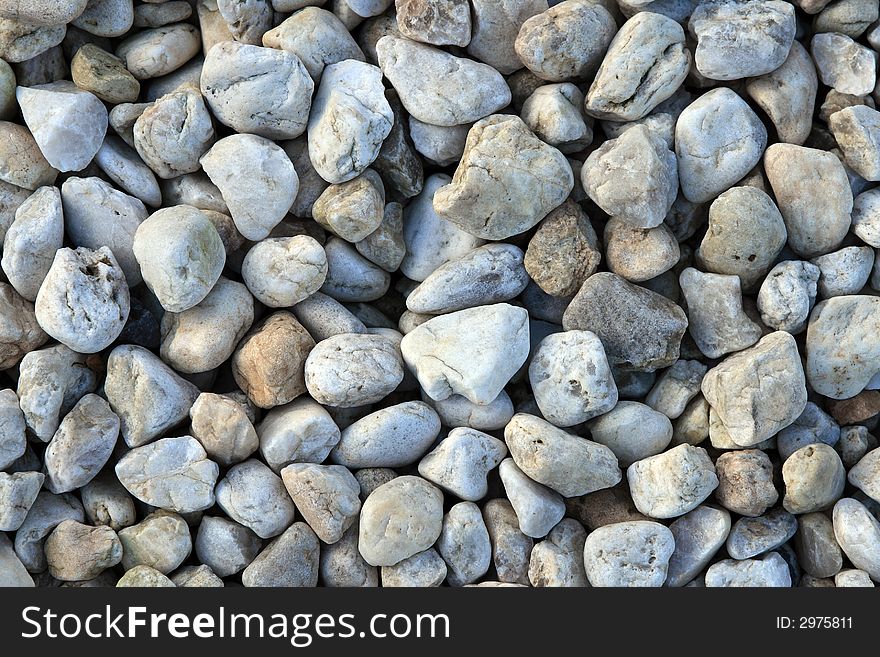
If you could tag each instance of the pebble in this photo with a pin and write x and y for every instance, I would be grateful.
(18, 491)
(225, 546)
(253, 495)
(844, 65)
(817, 549)
(814, 479)
(745, 482)
(391, 437)
(698, 534)
(520, 179)
(343, 566)
(672, 483)
(858, 534)
(639, 329)
(21, 162)
(12, 570)
(856, 130)
(156, 52)
(325, 495)
(853, 578)
(537, 507)
(171, 473)
(571, 379)
(558, 560)
(630, 554)
(106, 502)
(351, 277)
(399, 519)
(676, 387)
(754, 536)
(124, 166)
(787, 295)
(67, 123)
(160, 541)
(144, 577)
(639, 254)
(291, 560)
(844, 272)
(77, 552)
(511, 549)
(553, 112)
(46, 513)
(385, 245)
(632, 431)
(223, 428)
(865, 474)
(301, 431)
(464, 544)
(146, 394)
(19, 331)
(462, 461)
(771, 571)
(424, 569)
(758, 391)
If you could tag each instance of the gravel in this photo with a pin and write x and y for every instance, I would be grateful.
(439, 293)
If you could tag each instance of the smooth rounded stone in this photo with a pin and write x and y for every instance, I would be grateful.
(316, 37)
(124, 166)
(194, 189)
(787, 295)
(559, 559)
(437, 87)
(495, 25)
(146, 394)
(343, 566)
(354, 209)
(631, 554)
(566, 41)
(21, 41)
(845, 271)
(223, 428)
(745, 482)
(157, 52)
(161, 541)
(564, 251)
(639, 254)
(18, 491)
(865, 474)
(698, 534)
(718, 140)
(290, 560)
(746, 233)
(94, 283)
(351, 369)
(751, 537)
(788, 95)
(123, 117)
(11, 198)
(226, 546)
(171, 473)
(771, 571)
(12, 570)
(632, 431)
(633, 178)
(758, 391)
(442, 145)
(458, 411)
(106, 502)
(46, 513)
(194, 576)
(836, 101)
(77, 552)
(50, 382)
(472, 352)
(675, 388)
(488, 274)
(421, 570)
(282, 271)
(431, 240)
(388, 438)
(553, 112)
(106, 18)
(400, 519)
(253, 495)
(21, 162)
(247, 20)
(172, 134)
(852, 578)
(639, 329)
(692, 426)
(858, 534)
(350, 276)
(43, 12)
(67, 123)
(716, 319)
(32, 241)
(82, 445)
(817, 549)
(461, 462)
(96, 215)
(511, 549)
(301, 431)
(20, 333)
(385, 245)
(327, 496)
(843, 64)
(645, 63)
(153, 15)
(203, 337)
(672, 483)
(741, 39)
(841, 356)
(501, 155)
(537, 507)
(853, 444)
(324, 317)
(349, 120)
(570, 378)
(563, 462)
(464, 544)
(814, 479)
(856, 130)
(144, 577)
(445, 22)
(269, 362)
(257, 180)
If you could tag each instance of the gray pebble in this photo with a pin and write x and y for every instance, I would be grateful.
(751, 537)
(46, 513)
(632, 431)
(464, 544)
(511, 548)
(461, 462)
(817, 549)
(771, 571)
(161, 541)
(291, 560)
(631, 554)
(254, 496)
(537, 507)
(326, 496)
(672, 483)
(226, 546)
(814, 479)
(77, 552)
(698, 534)
(18, 491)
(421, 570)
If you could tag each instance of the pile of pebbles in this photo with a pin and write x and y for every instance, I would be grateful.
(439, 292)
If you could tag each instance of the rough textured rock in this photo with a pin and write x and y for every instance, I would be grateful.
(629, 554)
(672, 483)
